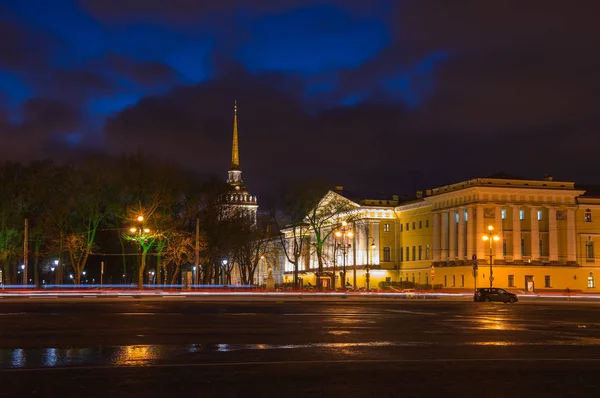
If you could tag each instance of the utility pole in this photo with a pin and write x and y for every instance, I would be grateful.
(197, 278)
(101, 273)
(25, 250)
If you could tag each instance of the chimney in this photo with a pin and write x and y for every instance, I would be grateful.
(548, 177)
(419, 194)
(339, 188)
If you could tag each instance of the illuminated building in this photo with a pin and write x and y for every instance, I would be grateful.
(548, 236)
(238, 200)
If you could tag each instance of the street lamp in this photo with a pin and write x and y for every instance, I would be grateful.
(224, 262)
(491, 236)
(343, 234)
(369, 248)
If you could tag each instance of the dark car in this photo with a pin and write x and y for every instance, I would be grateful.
(495, 294)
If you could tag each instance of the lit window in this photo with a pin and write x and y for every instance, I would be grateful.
(587, 217)
(521, 214)
(466, 215)
(387, 254)
(456, 217)
(540, 215)
(386, 227)
(547, 281)
(591, 283)
(503, 212)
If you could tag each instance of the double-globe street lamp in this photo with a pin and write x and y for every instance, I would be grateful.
(491, 236)
(140, 231)
(343, 234)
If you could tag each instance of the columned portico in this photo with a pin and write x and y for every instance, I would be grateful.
(552, 235)
(516, 227)
(535, 235)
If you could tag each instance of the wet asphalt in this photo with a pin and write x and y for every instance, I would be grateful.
(152, 348)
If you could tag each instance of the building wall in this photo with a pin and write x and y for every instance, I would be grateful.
(449, 223)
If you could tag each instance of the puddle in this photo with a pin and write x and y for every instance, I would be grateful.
(144, 355)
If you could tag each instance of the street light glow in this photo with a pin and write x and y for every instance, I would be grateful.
(140, 218)
(133, 229)
(146, 230)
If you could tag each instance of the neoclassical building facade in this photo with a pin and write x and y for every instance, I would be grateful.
(543, 235)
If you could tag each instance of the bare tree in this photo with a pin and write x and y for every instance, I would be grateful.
(322, 220)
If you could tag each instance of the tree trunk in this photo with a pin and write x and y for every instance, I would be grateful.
(36, 261)
(142, 268)
(175, 274)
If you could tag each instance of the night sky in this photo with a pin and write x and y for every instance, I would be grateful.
(378, 96)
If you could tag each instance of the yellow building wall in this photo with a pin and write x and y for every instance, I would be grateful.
(418, 233)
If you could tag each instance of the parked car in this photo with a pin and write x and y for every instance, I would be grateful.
(495, 294)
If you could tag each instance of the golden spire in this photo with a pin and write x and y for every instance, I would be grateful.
(235, 154)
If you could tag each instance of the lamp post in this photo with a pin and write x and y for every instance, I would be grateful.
(224, 262)
(369, 248)
(140, 231)
(344, 233)
(491, 236)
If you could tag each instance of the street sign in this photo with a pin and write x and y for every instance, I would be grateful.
(475, 265)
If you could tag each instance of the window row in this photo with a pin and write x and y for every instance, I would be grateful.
(415, 224)
(417, 253)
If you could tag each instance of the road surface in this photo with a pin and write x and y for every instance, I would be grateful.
(162, 348)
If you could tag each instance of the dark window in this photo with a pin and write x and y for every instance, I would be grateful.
(414, 226)
(408, 254)
(522, 247)
(511, 281)
(420, 252)
(427, 223)
(414, 253)
(387, 254)
(589, 250)
(547, 281)
(420, 224)
(401, 254)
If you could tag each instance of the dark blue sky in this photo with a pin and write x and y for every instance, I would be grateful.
(376, 95)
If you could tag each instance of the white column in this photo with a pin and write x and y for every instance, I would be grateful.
(552, 234)
(378, 249)
(516, 224)
(480, 232)
(452, 235)
(571, 249)
(535, 235)
(461, 233)
(470, 230)
(499, 231)
(444, 237)
(436, 237)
